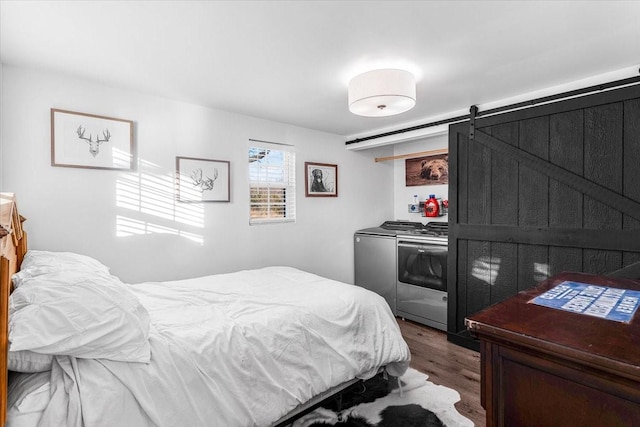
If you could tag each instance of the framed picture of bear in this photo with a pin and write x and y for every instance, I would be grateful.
(427, 170)
(320, 179)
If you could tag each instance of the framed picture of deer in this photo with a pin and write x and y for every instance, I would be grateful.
(81, 140)
(202, 180)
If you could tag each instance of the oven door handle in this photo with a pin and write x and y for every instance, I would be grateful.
(407, 244)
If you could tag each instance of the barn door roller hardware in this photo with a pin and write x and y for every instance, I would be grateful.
(473, 112)
(516, 106)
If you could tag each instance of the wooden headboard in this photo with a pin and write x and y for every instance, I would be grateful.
(13, 246)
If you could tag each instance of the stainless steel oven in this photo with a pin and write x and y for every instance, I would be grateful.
(421, 265)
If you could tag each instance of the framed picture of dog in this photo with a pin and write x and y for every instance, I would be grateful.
(428, 170)
(320, 179)
(202, 180)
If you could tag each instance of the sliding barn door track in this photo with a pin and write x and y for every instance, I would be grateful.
(474, 112)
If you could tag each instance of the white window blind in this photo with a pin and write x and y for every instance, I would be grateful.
(272, 183)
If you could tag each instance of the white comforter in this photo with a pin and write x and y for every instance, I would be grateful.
(239, 349)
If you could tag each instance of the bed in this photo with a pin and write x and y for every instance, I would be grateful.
(249, 348)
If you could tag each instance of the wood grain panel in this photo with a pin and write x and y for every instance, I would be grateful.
(563, 237)
(601, 262)
(566, 150)
(458, 202)
(6, 270)
(631, 176)
(504, 268)
(504, 178)
(533, 203)
(533, 186)
(13, 247)
(479, 182)
(462, 173)
(565, 403)
(596, 190)
(479, 276)
(564, 259)
(504, 210)
(566, 133)
(629, 258)
(631, 157)
(602, 164)
(462, 288)
(533, 266)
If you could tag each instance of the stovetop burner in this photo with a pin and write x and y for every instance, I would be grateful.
(435, 229)
(401, 225)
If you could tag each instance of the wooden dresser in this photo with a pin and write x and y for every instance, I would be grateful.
(542, 366)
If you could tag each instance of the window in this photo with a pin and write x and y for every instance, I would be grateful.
(272, 183)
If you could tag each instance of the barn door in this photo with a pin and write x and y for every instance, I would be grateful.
(539, 191)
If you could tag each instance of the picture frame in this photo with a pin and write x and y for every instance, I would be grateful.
(202, 180)
(320, 179)
(82, 140)
(427, 170)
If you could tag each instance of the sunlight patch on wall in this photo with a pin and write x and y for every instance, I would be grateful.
(486, 269)
(148, 205)
(130, 227)
(121, 159)
(540, 271)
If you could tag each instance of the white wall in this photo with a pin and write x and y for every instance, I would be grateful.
(1, 169)
(403, 195)
(130, 221)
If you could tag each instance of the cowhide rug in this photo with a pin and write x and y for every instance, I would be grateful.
(379, 402)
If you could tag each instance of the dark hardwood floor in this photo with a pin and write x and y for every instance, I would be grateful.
(446, 364)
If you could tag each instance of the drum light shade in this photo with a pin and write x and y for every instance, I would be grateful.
(381, 93)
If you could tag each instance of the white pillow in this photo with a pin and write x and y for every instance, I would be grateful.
(36, 263)
(79, 314)
(29, 362)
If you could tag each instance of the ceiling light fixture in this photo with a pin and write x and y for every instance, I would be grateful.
(380, 93)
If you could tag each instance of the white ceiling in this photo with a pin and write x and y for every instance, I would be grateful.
(290, 61)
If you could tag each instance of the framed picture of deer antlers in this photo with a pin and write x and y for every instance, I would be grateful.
(80, 140)
(202, 180)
